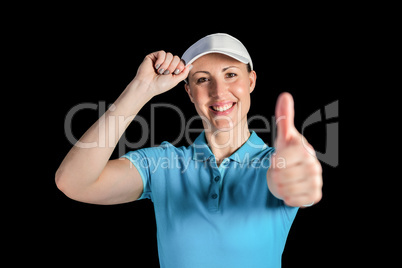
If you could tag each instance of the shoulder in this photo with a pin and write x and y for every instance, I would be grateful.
(265, 152)
(257, 147)
(261, 158)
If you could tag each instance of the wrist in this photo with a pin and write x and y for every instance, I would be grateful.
(141, 87)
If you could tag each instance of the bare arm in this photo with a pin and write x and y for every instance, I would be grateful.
(87, 174)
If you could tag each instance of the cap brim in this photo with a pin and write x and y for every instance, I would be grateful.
(232, 55)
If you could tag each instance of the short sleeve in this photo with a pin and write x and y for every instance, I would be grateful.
(141, 162)
(149, 162)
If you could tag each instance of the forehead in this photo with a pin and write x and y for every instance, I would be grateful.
(215, 60)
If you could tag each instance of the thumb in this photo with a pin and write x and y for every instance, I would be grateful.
(284, 113)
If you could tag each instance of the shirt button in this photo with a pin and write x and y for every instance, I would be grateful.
(217, 178)
(214, 196)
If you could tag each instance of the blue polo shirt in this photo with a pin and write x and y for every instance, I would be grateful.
(210, 216)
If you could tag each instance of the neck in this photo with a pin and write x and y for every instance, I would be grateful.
(224, 143)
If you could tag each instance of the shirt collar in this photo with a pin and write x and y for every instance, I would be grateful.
(246, 153)
(201, 150)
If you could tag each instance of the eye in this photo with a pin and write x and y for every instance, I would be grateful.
(231, 75)
(202, 80)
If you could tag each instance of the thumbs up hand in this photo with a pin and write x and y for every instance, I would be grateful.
(295, 174)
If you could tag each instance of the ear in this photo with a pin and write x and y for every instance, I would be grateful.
(188, 90)
(253, 80)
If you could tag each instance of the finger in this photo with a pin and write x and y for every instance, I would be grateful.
(298, 201)
(158, 58)
(290, 156)
(291, 175)
(179, 67)
(284, 113)
(183, 65)
(302, 200)
(294, 189)
(165, 64)
(309, 188)
(173, 65)
(183, 74)
(305, 184)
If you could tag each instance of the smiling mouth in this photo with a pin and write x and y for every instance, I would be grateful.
(222, 108)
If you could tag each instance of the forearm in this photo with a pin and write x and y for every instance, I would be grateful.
(86, 160)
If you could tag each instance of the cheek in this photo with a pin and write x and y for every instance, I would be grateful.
(242, 91)
(200, 98)
(241, 86)
(245, 104)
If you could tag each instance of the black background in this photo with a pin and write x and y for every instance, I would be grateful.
(92, 59)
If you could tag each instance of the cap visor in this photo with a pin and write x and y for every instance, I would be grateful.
(232, 55)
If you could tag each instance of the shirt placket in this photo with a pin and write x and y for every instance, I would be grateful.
(215, 190)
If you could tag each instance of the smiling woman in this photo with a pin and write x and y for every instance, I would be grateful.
(220, 87)
(224, 201)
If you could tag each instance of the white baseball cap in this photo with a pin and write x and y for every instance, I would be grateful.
(218, 43)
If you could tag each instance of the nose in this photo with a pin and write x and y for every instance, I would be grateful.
(218, 88)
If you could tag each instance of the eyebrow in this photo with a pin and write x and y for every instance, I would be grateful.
(223, 70)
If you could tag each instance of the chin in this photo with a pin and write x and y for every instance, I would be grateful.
(223, 127)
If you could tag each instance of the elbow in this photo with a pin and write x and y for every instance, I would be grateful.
(61, 182)
(70, 188)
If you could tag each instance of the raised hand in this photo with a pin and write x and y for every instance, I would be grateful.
(161, 71)
(295, 174)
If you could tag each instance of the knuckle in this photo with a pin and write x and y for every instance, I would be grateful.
(318, 169)
(319, 183)
(309, 158)
(316, 196)
(316, 183)
(315, 192)
(161, 53)
(315, 168)
(181, 65)
(174, 63)
(167, 60)
(306, 153)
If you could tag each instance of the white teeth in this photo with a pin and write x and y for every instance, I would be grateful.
(223, 108)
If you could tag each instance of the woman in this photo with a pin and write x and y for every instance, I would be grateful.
(225, 201)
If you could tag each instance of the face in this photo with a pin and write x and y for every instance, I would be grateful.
(220, 87)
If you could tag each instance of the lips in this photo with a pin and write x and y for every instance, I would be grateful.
(222, 108)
